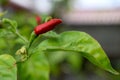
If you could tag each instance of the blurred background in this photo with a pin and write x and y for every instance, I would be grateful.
(99, 18)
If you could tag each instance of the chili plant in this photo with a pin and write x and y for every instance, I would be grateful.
(30, 62)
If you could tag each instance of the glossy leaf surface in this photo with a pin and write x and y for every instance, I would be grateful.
(82, 43)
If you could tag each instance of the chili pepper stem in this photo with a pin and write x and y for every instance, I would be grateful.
(48, 18)
(32, 38)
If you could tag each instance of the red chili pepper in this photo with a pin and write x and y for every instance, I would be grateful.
(45, 27)
(38, 20)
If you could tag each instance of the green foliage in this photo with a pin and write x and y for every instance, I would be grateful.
(55, 58)
(68, 46)
(2, 13)
(35, 68)
(11, 22)
(13, 28)
(75, 60)
(80, 42)
(8, 69)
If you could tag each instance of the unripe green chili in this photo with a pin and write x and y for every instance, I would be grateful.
(47, 26)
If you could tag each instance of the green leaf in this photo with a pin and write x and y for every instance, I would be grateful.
(82, 43)
(35, 68)
(55, 58)
(8, 69)
(73, 59)
(3, 33)
(50, 34)
(12, 23)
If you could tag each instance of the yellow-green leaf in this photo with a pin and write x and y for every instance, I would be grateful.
(82, 43)
(35, 68)
(8, 69)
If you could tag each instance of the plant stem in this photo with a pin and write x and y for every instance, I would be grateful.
(20, 36)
